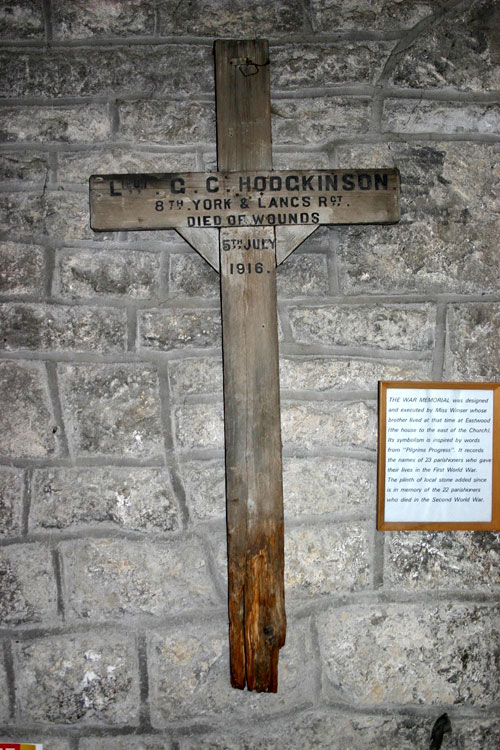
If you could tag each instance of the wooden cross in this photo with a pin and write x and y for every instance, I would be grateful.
(245, 219)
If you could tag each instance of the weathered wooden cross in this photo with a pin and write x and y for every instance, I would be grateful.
(245, 219)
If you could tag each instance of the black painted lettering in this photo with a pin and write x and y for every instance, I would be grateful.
(112, 190)
(275, 182)
(348, 181)
(292, 182)
(331, 182)
(177, 185)
(307, 183)
(244, 184)
(212, 184)
(364, 181)
(380, 181)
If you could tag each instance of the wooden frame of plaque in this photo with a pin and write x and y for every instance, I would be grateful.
(438, 456)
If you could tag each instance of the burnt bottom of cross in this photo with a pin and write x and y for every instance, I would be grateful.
(257, 622)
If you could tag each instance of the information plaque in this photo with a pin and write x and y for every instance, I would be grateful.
(439, 456)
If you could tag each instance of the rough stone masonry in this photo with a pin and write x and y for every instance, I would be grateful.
(112, 573)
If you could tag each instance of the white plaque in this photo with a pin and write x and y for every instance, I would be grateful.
(437, 455)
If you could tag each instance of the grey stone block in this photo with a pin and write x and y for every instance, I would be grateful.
(164, 237)
(111, 497)
(450, 182)
(195, 375)
(4, 704)
(189, 675)
(237, 19)
(77, 166)
(307, 426)
(298, 159)
(326, 559)
(82, 122)
(414, 654)
(46, 327)
(317, 486)
(21, 19)
(25, 165)
(305, 65)
(447, 240)
(127, 742)
(128, 70)
(191, 276)
(79, 20)
(293, 158)
(423, 116)
(364, 15)
(27, 424)
(433, 255)
(205, 489)
(63, 216)
(472, 342)
(89, 273)
(303, 275)
(199, 426)
(324, 374)
(23, 215)
(166, 330)
(484, 733)
(83, 679)
(383, 326)
(106, 579)
(21, 269)
(456, 182)
(112, 409)
(29, 593)
(457, 560)
(11, 502)
(460, 52)
(218, 544)
(322, 729)
(169, 123)
(67, 217)
(319, 119)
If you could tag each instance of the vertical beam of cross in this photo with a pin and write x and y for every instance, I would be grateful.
(254, 493)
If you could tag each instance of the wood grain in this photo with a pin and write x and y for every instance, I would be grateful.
(220, 199)
(254, 492)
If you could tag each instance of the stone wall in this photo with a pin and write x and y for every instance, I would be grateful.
(114, 623)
